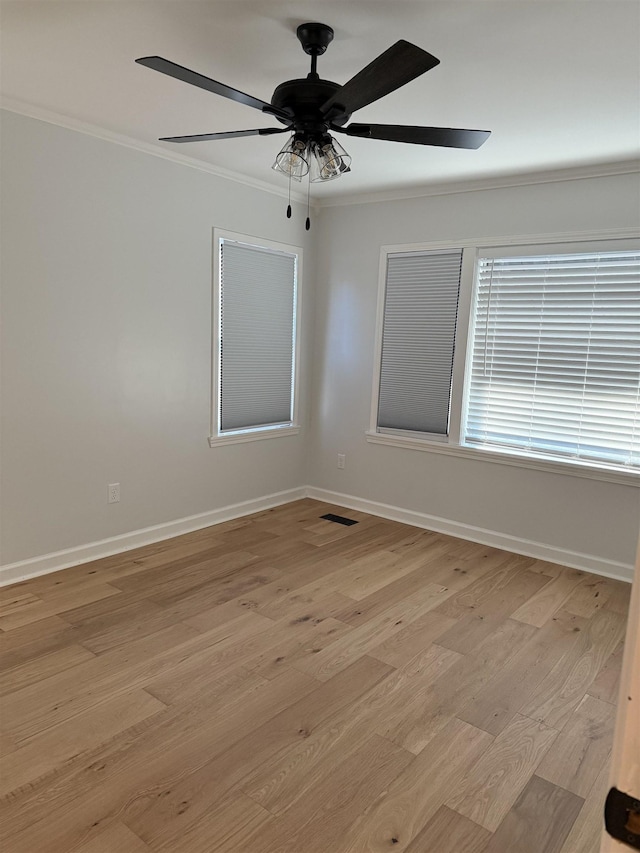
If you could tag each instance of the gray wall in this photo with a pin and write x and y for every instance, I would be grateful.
(106, 298)
(574, 514)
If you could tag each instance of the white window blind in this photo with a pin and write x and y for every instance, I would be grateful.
(556, 356)
(421, 301)
(257, 336)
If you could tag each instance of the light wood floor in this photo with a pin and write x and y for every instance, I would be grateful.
(285, 684)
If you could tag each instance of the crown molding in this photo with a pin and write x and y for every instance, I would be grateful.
(521, 179)
(35, 112)
(574, 173)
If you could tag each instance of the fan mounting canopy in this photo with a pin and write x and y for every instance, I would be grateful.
(314, 38)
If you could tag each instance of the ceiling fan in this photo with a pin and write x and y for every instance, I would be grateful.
(311, 107)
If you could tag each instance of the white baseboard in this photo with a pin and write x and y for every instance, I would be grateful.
(25, 569)
(537, 550)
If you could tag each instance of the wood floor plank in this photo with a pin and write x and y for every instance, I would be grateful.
(360, 640)
(299, 576)
(215, 580)
(618, 600)
(539, 820)
(15, 601)
(540, 607)
(227, 827)
(424, 716)
(355, 784)
(562, 690)
(544, 567)
(501, 584)
(318, 603)
(192, 566)
(487, 614)
(7, 744)
(34, 640)
(41, 705)
(450, 832)
(217, 653)
(586, 832)
(101, 628)
(258, 644)
(516, 683)
(194, 601)
(288, 598)
(582, 748)
(413, 639)
(358, 612)
(29, 608)
(606, 684)
(591, 595)
(298, 646)
(491, 786)
(298, 596)
(111, 569)
(367, 576)
(41, 667)
(43, 753)
(115, 838)
(396, 818)
(466, 562)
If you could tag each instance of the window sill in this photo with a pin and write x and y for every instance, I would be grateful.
(253, 435)
(568, 468)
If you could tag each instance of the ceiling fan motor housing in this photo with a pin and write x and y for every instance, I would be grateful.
(303, 99)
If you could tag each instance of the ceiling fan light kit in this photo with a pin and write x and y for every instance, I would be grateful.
(323, 160)
(312, 107)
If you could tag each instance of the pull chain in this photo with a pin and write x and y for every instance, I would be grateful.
(289, 205)
(307, 224)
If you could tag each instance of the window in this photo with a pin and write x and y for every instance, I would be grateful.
(555, 363)
(255, 319)
(525, 355)
(418, 333)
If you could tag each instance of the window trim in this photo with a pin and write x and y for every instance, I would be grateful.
(472, 250)
(216, 437)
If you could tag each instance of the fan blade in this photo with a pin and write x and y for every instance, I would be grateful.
(446, 137)
(227, 134)
(398, 65)
(157, 63)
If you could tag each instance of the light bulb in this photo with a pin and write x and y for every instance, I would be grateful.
(329, 160)
(292, 159)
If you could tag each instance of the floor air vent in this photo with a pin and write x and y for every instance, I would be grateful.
(339, 519)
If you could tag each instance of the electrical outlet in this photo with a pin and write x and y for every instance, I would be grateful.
(341, 460)
(114, 493)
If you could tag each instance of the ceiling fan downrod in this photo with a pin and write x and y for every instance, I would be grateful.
(315, 39)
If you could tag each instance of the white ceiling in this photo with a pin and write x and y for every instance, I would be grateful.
(557, 82)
